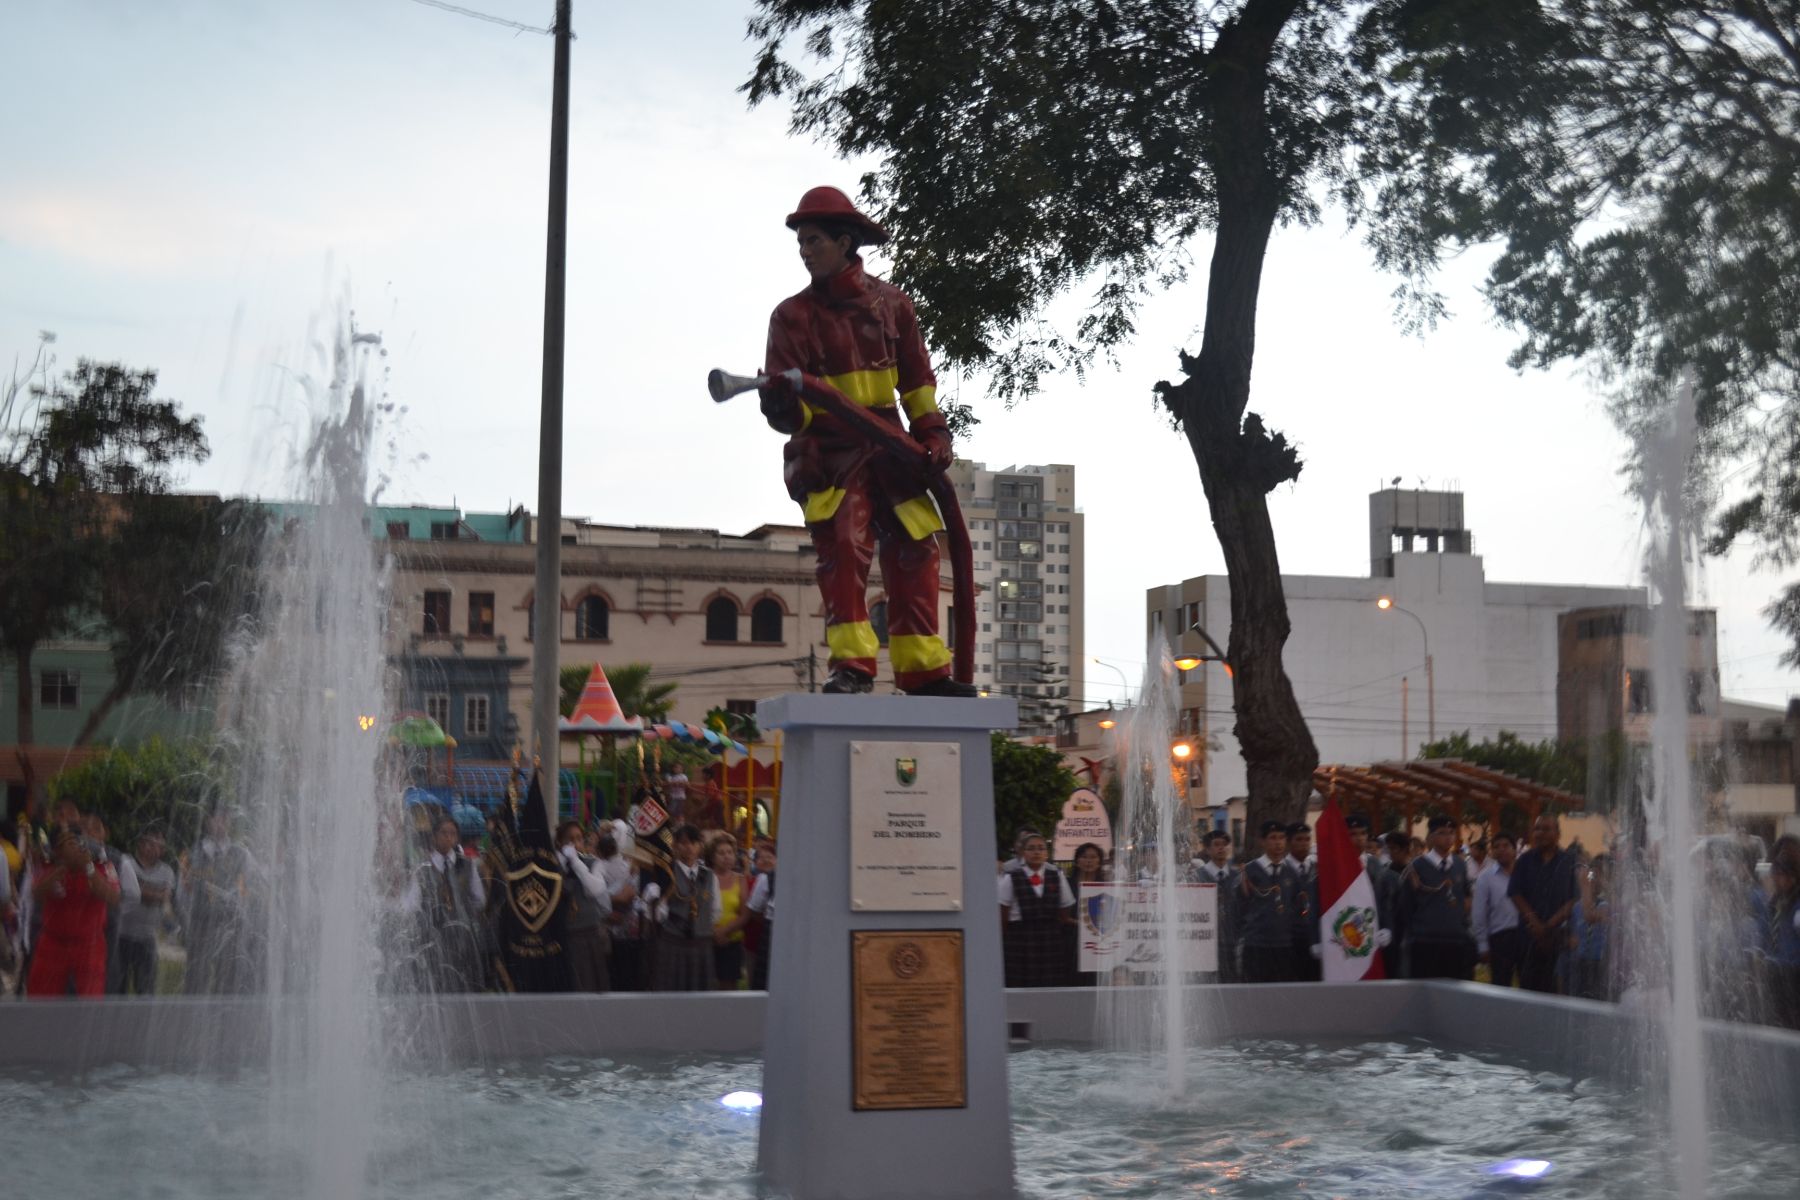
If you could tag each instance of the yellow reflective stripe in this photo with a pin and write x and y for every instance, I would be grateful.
(919, 401)
(920, 516)
(806, 416)
(917, 652)
(852, 639)
(820, 506)
(870, 389)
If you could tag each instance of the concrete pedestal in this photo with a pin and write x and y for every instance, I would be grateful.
(814, 1145)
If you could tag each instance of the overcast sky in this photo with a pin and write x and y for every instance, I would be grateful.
(199, 186)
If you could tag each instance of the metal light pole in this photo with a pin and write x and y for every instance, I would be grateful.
(547, 604)
(1386, 604)
(1124, 680)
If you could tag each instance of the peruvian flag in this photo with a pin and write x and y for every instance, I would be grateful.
(1347, 945)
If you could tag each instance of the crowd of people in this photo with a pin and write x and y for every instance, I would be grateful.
(83, 917)
(80, 917)
(1530, 913)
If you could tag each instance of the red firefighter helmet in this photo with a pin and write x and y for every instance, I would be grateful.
(827, 204)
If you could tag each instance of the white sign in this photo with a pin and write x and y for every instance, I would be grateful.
(905, 827)
(1122, 924)
(1083, 820)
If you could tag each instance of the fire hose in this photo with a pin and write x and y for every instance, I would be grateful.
(901, 449)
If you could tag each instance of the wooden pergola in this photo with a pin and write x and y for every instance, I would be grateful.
(1461, 790)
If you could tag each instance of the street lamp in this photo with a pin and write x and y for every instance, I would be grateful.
(1386, 604)
(1188, 662)
(1124, 682)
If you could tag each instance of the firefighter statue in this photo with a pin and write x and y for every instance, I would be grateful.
(860, 335)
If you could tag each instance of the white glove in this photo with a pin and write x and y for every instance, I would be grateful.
(568, 855)
(1383, 936)
(1314, 948)
(1797, 918)
(652, 893)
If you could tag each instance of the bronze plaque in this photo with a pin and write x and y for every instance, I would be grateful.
(906, 997)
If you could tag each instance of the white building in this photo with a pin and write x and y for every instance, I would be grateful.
(1029, 552)
(1359, 670)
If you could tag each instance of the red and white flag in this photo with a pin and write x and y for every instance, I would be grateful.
(1348, 928)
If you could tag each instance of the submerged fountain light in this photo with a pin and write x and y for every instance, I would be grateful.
(1521, 1168)
(742, 1101)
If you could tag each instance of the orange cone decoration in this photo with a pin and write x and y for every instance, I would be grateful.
(598, 709)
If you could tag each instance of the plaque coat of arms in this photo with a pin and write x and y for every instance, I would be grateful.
(906, 770)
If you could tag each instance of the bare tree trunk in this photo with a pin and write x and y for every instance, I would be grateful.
(1241, 462)
(22, 693)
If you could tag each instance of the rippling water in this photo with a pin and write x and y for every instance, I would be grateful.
(1373, 1119)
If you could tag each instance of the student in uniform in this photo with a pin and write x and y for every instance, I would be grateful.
(1217, 869)
(1305, 867)
(1399, 853)
(1266, 893)
(1035, 904)
(688, 912)
(1435, 889)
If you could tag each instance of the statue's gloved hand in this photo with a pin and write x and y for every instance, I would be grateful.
(781, 404)
(1383, 937)
(930, 431)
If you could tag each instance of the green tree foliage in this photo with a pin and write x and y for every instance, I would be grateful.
(170, 785)
(1030, 786)
(75, 462)
(1030, 147)
(741, 726)
(637, 696)
(179, 578)
(1652, 147)
(1605, 771)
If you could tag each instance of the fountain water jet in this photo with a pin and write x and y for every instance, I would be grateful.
(1152, 817)
(1672, 792)
(307, 784)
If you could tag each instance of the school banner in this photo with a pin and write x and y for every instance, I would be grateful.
(1123, 925)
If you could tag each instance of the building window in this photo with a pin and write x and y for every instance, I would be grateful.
(1638, 698)
(592, 619)
(475, 716)
(878, 617)
(743, 708)
(765, 620)
(59, 689)
(481, 614)
(437, 707)
(443, 531)
(397, 531)
(722, 620)
(437, 614)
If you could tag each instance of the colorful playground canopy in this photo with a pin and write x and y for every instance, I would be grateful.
(681, 731)
(417, 729)
(598, 710)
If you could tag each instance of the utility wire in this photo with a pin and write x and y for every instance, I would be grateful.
(481, 16)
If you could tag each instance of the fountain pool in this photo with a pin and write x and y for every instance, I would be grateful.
(1264, 1116)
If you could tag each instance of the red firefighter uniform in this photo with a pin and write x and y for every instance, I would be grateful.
(861, 335)
(70, 953)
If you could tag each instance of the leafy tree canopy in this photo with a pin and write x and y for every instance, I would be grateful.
(1030, 786)
(79, 459)
(168, 785)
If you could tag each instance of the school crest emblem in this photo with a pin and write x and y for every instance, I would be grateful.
(1100, 914)
(533, 894)
(906, 770)
(1354, 932)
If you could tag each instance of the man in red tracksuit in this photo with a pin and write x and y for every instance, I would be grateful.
(861, 335)
(74, 891)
